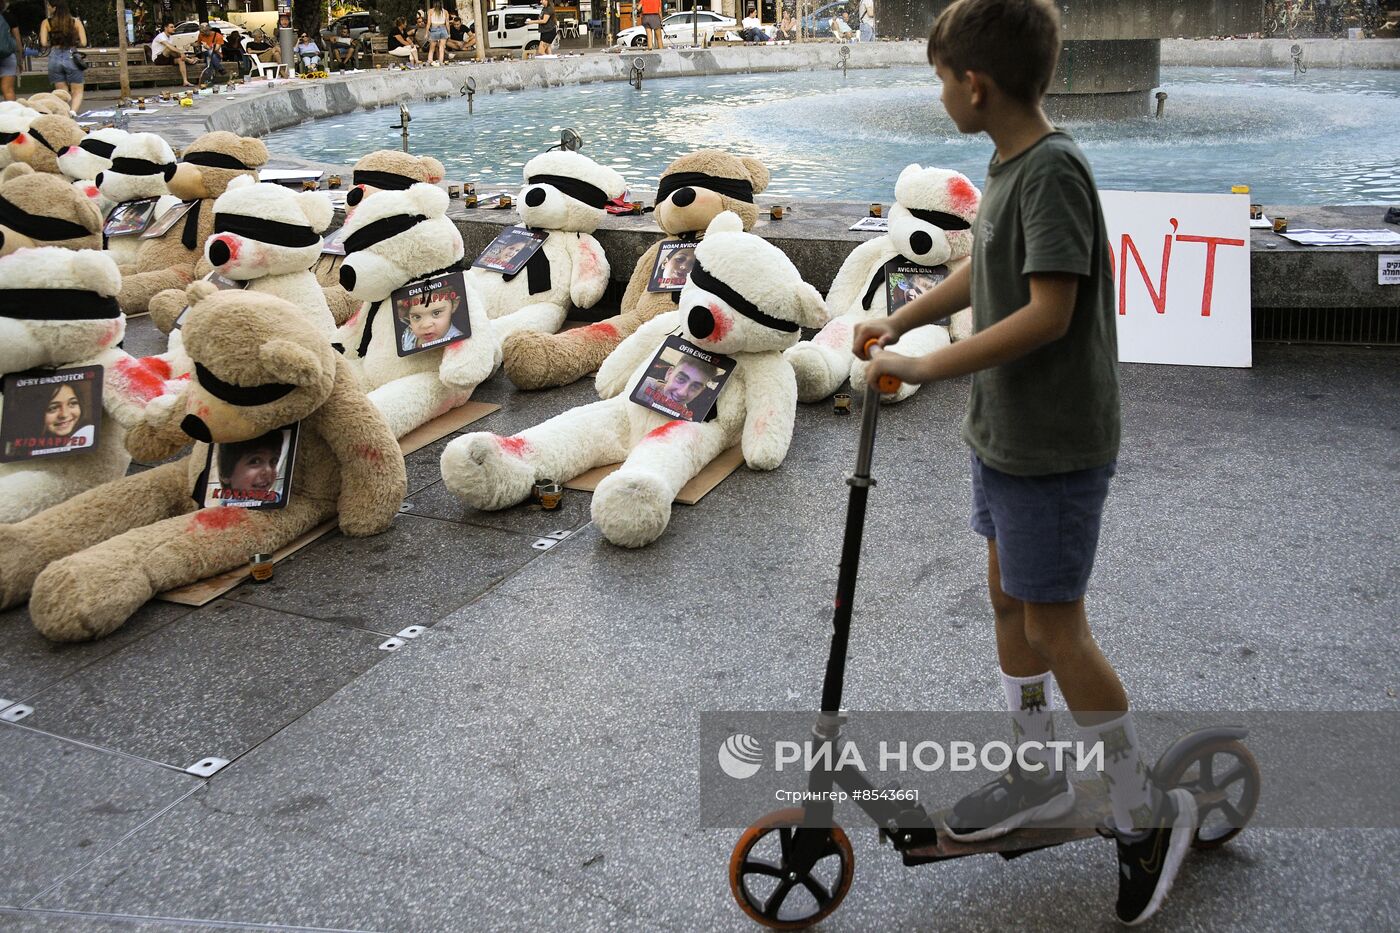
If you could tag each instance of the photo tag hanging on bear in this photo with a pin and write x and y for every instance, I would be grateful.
(130, 217)
(333, 244)
(683, 381)
(508, 253)
(905, 281)
(167, 220)
(672, 269)
(50, 411)
(251, 474)
(430, 312)
(222, 282)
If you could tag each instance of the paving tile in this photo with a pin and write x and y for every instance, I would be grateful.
(413, 574)
(29, 662)
(437, 501)
(61, 804)
(216, 682)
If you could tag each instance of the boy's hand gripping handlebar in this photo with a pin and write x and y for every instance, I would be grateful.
(887, 384)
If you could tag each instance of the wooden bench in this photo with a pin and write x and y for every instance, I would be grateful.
(138, 75)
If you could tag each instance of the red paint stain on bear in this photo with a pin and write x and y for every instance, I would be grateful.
(600, 331)
(218, 519)
(963, 194)
(837, 335)
(665, 431)
(144, 381)
(513, 445)
(722, 324)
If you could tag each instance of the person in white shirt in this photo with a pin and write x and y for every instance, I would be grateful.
(840, 28)
(866, 20)
(751, 28)
(164, 51)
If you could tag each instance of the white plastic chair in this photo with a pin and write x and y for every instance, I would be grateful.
(270, 69)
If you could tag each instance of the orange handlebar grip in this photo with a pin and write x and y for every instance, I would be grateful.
(887, 384)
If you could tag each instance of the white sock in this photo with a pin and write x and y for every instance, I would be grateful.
(1032, 717)
(1125, 773)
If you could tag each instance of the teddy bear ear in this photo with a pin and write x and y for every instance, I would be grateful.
(430, 199)
(196, 292)
(758, 173)
(88, 213)
(242, 181)
(290, 362)
(912, 168)
(15, 170)
(96, 270)
(316, 205)
(725, 222)
(252, 151)
(811, 309)
(433, 169)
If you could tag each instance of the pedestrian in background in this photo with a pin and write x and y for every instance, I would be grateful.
(437, 34)
(651, 22)
(62, 34)
(10, 47)
(865, 19)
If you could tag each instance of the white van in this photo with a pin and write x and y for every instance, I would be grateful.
(508, 28)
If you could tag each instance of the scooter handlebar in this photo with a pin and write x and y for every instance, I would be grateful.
(887, 384)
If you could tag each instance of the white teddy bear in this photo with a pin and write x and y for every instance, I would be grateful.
(563, 197)
(930, 226)
(82, 163)
(744, 300)
(393, 240)
(142, 164)
(58, 310)
(14, 119)
(266, 239)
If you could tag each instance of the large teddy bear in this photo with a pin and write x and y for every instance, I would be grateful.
(393, 239)
(744, 299)
(692, 191)
(54, 102)
(58, 310)
(266, 237)
(204, 172)
(141, 168)
(38, 209)
(88, 159)
(930, 225)
(87, 564)
(564, 196)
(381, 170)
(47, 135)
(14, 119)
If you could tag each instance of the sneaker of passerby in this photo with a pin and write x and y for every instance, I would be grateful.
(1149, 860)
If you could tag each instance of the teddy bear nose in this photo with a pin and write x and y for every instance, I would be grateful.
(921, 242)
(347, 278)
(700, 322)
(683, 197)
(355, 195)
(65, 150)
(535, 197)
(196, 429)
(219, 253)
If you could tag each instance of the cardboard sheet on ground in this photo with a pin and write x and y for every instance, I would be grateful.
(692, 492)
(211, 588)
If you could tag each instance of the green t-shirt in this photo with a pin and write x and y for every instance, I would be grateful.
(1055, 409)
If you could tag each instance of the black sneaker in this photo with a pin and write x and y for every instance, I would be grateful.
(1009, 802)
(1148, 861)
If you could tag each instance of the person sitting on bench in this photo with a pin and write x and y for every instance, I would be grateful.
(343, 47)
(164, 51)
(460, 38)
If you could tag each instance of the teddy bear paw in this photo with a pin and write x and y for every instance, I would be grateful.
(815, 380)
(484, 473)
(858, 385)
(526, 355)
(19, 565)
(632, 509)
(81, 598)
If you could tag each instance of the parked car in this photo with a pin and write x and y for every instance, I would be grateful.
(818, 22)
(680, 29)
(187, 33)
(359, 23)
(507, 27)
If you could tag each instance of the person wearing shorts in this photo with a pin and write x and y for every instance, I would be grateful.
(651, 22)
(63, 34)
(549, 28)
(437, 34)
(9, 62)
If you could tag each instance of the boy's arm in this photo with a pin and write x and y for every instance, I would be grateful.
(947, 298)
(1045, 319)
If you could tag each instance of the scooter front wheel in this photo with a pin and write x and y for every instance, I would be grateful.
(770, 887)
(1224, 778)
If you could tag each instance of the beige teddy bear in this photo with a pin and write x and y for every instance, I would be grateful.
(38, 209)
(47, 136)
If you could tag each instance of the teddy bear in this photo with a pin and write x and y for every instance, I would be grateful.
(381, 170)
(85, 161)
(259, 369)
(394, 239)
(692, 191)
(14, 119)
(744, 300)
(58, 102)
(266, 238)
(58, 310)
(38, 146)
(38, 209)
(930, 225)
(563, 199)
(142, 165)
(205, 169)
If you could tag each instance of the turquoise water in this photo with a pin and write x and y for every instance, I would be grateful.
(1329, 137)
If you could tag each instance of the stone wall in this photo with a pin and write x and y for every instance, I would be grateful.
(1274, 53)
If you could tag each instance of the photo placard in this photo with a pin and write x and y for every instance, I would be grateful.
(512, 248)
(47, 412)
(251, 474)
(167, 220)
(673, 262)
(430, 313)
(683, 381)
(905, 281)
(129, 217)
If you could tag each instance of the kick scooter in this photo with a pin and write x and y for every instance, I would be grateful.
(793, 867)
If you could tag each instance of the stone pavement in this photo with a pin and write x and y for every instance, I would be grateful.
(529, 760)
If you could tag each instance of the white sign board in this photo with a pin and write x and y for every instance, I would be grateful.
(1388, 271)
(1181, 277)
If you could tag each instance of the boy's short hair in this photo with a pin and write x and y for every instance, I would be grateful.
(1015, 42)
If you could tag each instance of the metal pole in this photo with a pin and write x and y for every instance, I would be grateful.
(123, 76)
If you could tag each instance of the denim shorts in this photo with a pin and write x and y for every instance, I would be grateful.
(1046, 528)
(437, 32)
(62, 70)
(9, 66)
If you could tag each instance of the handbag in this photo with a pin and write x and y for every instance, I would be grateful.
(80, 60)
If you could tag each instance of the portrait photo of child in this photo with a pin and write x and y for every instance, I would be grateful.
(251, 474)
(129, 217)
(430, 313)
(56, 412)
(904, 282)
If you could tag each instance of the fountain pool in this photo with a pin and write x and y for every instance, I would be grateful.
(1326, 137)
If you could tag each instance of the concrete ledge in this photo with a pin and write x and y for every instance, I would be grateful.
(1275, 53)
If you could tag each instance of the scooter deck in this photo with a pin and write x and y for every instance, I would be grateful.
(1091, 808)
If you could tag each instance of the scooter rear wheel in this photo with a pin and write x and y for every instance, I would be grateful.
(771, 891)
(1224, 778)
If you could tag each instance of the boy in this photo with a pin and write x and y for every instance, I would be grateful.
(1043, 426)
